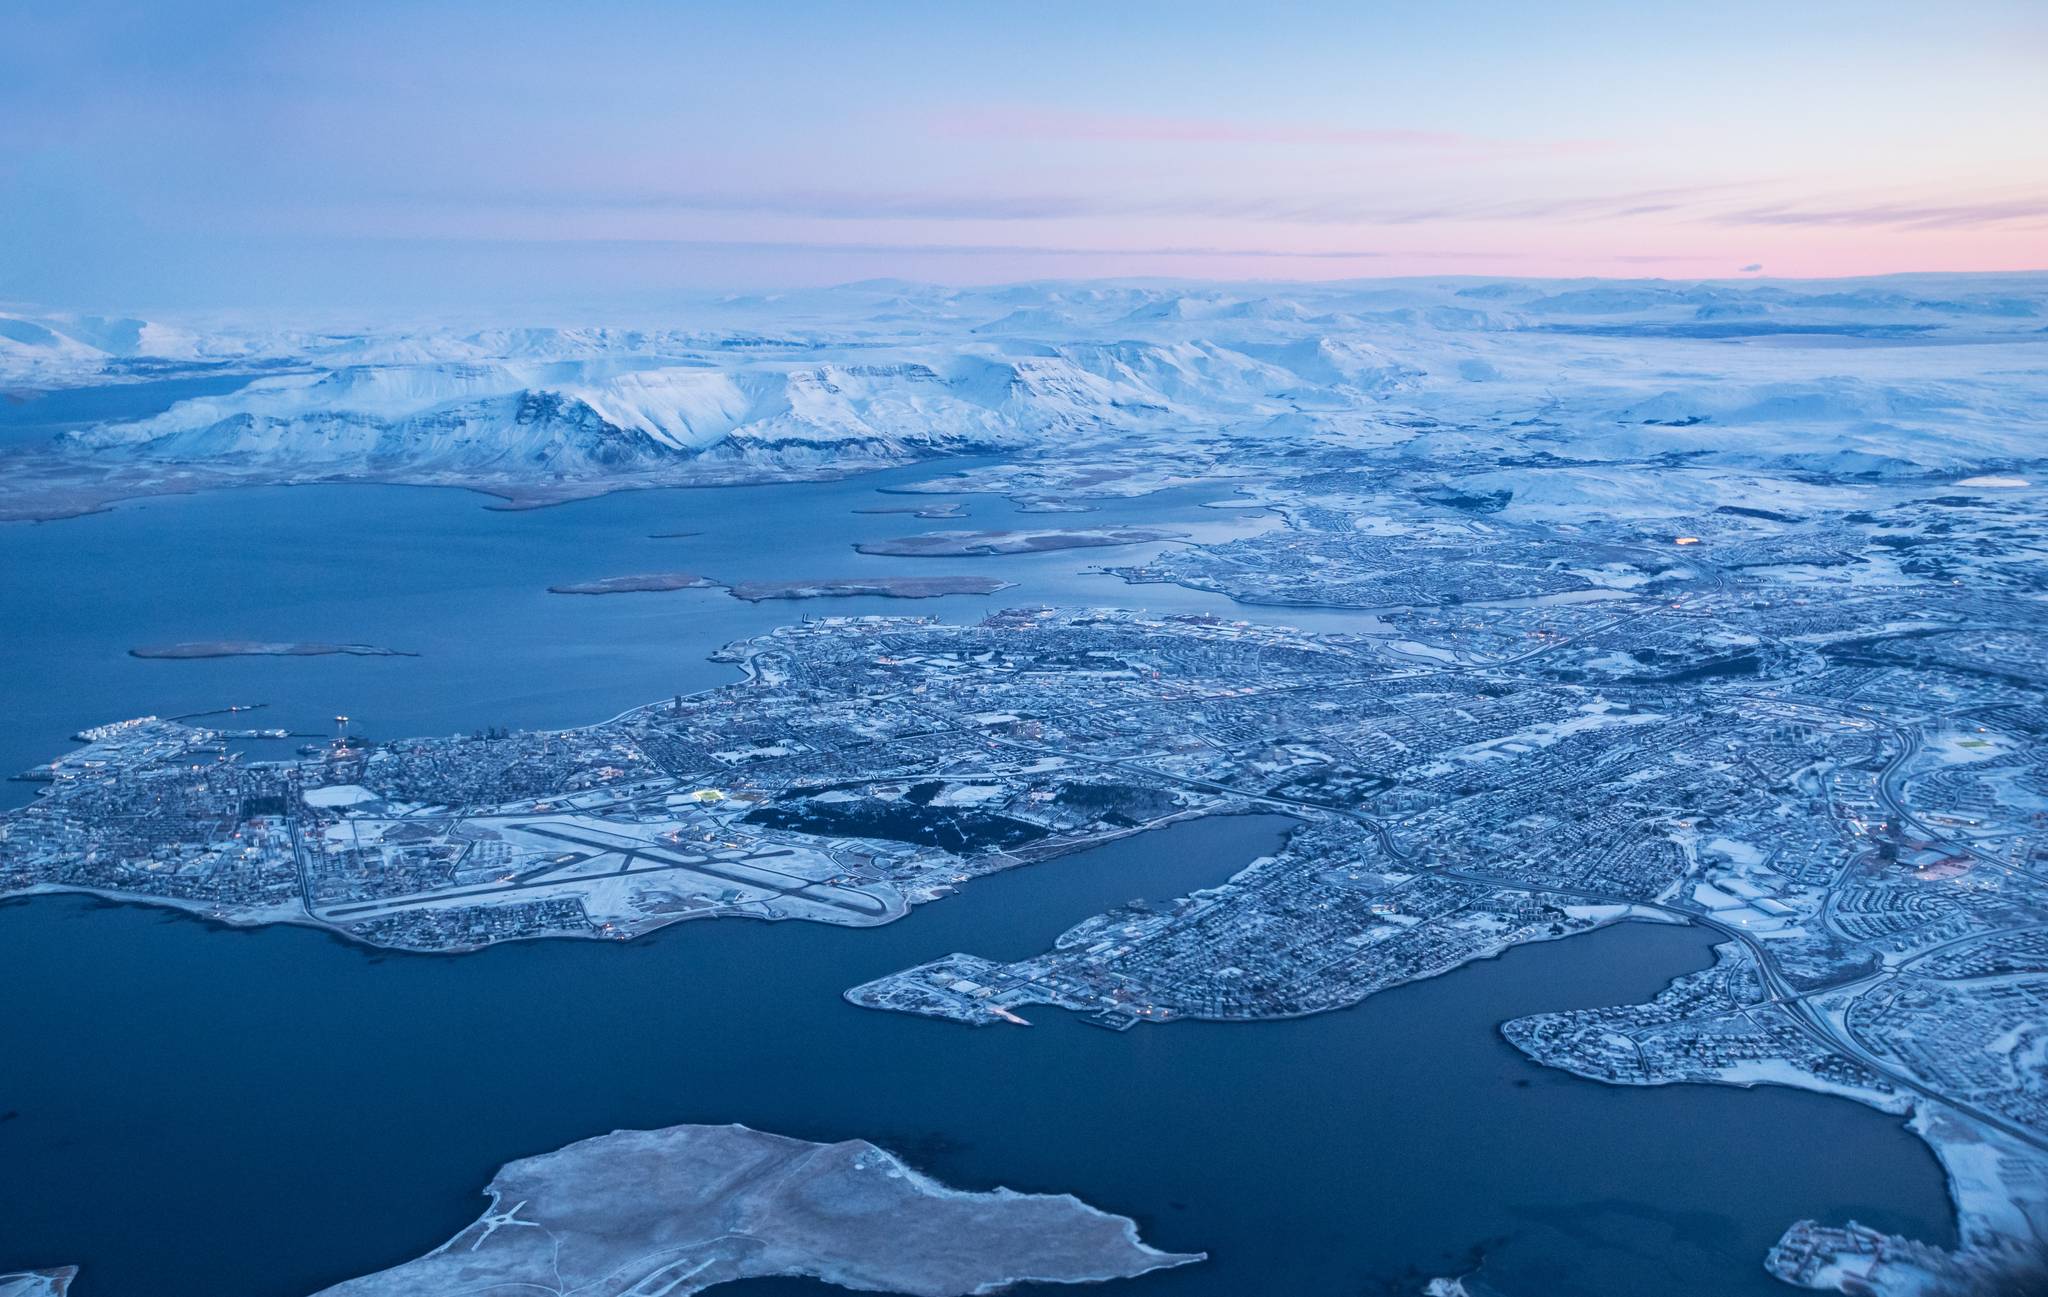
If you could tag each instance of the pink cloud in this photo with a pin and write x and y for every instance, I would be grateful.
(2031, 210)
(1040, 123)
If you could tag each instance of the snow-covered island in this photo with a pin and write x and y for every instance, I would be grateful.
(964, 544)
(638, 583)
(885, 587)
(38, 1283)
(675, 1211)
(228, 648)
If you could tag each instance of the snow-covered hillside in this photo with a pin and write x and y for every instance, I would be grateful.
(567, 417)
(1900, 375)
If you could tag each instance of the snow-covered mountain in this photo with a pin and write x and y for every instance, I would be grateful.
(1900, 374)
(566, 417)
(613, 413)
(69, 350)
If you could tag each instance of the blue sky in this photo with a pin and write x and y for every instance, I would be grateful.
(229, 155)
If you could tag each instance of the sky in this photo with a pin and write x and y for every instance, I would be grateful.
(227, 155)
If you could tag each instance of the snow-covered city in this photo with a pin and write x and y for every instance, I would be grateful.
(816, 673)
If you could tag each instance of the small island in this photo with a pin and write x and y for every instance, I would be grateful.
(235, 648)
(962, 544)
(644, 582)
(886, 587)
(950, 509)
(38, 1283)
(675, 1211)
